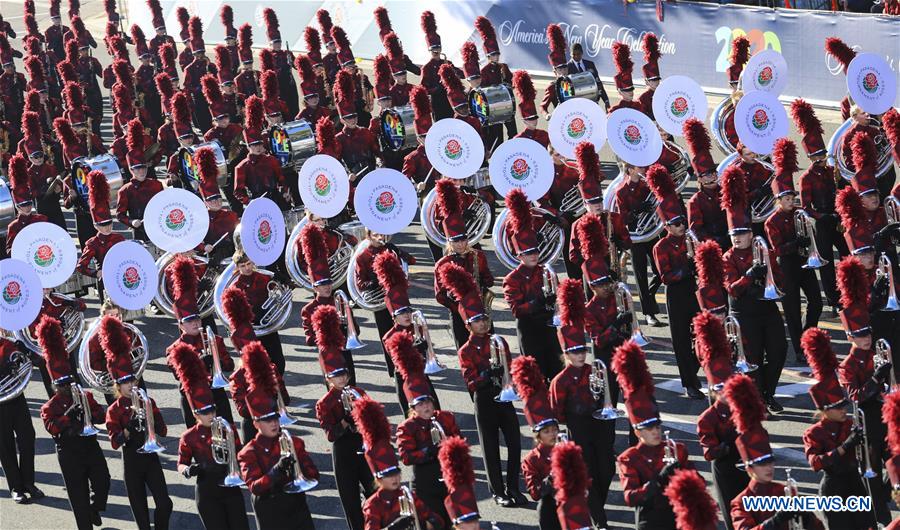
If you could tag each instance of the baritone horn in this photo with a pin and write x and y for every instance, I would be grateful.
(803, 224)
(298, 483)
(599, 384)
(885, 269)
(892, 209)
(761, 257)
(437, 431)
(211, 350)
(624, 303)
(690, 243)
(80, 401)
(421, 333)
(342, 305)
(408, 506)
(733, 332)
(348, 397)
(882, 357)
(17, 376)
(284, 419)
(143, 409)
(500, 360)
(224, 451)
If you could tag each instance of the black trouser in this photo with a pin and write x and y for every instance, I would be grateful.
(681, 306)
(440, 105)
(828, 239)
(223, 407)
(876, 431)
(353, 477)
(596, 439)
(85, 475)
(511, 129)
(272, 345)
(17, 443)
(38, 360)
(288, 90)
(248, 431)
(493, 137)
(48, 204)
(84, 225)
(766, 347)
(538, 339)
(547, 517)
(143, 472)
(844, 485)
(277, 510)
(202, 117)
(430, 488)
(95, 102)
(655, 515)
(886, 182)
(728, 481)
(796, 278)
(351, 368)
(384, 322)
(492, 418)
(640, 257)
(218, 506)
(458, 329)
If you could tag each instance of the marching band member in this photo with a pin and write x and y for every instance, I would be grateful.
(711, 294)
(382, 509)
(677, 272)
(89, 70)
(757, 176)
(226, 15)
(23, 198)
(361, 95)
(891, 412)
(624, 84)
(334, 412)
(183, 17)
(313, 42)
(645, 468)
(159, 27)
(571, 483)
(218, 507)
(134, 195)
(459, 475)
(523, 289)
(194, 72)
(16, 435)
(539, 414)
(227, 133)
(706, 217)
(844, 55)
(694, 508)
(165, 135)
(265, 466)
(95, 248)
(451, 208)
(255, 286)
(832, 443)
(416, 435)
(74, 146)
(761, 323)
(430, 78)
(247, 80)
(129, 428)
(748, 412)
(715, 428)
(400, 89)
(276, 109)
(284, 62)
(457, 97)
(574, 402)
(81, 460)
(740, 54)
(416, 165)
(144, 76)
(358, 146)
(54, 33)
(790, 247)
(41, 172)
(557, 57)
(330, 60)
(96, 354)
(524, 88)
(565, 178)
(384, 82)
(494, 73)
(484, 380)
(259, 174)
(314, 99)
(650, 47)
(218, 244)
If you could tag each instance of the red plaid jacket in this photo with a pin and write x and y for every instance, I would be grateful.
(96, 248)
(670, 255)
(133, 197)
(535, 468)
(640, 464)
(715, 431)
(119, 414)
(194, 445)
(330, 411)
(260, 455)
(414, 437)
(818, 190)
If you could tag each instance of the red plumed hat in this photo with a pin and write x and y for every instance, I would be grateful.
(827, 392)
(694, 508)
(470, 61)
(324, 20)
(865, 160)
(184, 288)
(381, 70)
(462, 286)
(227, 17)
(326, 141)
(857, 233)
(394, 282)
(809, 126)
(456, 94)
(67, 74)
(308, 78)
(344, 52)
(697, 138)
(53, 345)
(74, 8)
(159, 22)
(594, 248)
(373, 425)
(890, 412)
(315, 253)
(890, 121)
(840, 51)
(411, 365)
(271, 93)
(784, 158)
(313, 45)
(853, 284)
(82, 36)
(98, 197)
(429, 27)
(19, 180)
(450, 207)
(557, 42)
(140, 42)
(734, 199)
(266, 60)
(624, 65)
(208, 168)
(740, 54)
(520, 223)
(345, 94)
(488, 36)
(395, 53)
(213, 94)
(421, 104)
(72, 147)
(116, 344)
(459, 477)
(245, 44)
(262, 397)
(223, 64)
(650, 45)
(195, 29)
(713, 349)
(271, 20)
(6, 51)
(748, 413)
(630, 367)
(31, 127)
(524, 88)
(710, 277)
(530, 384)
(570, 301)
(590, 176)
(570, 478)
(181, 115)
(135, 141)
(670, 207)
(54, 8)
(109, 6)
(166, 90)
(194, 379)
(34, 67)
(330, 340)
(382, 21)
(239, 316)
(254, 116)
(167, 56)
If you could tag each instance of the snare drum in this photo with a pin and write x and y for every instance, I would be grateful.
(76, 283)
(293, 143)
(398, 128)
(481, 179)
(190, 172)
(580, 85)
(493, 104)
(105, 163)
(7, 207)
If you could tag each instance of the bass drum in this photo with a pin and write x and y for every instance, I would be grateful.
(885, 159)
(188, 171)
(398, 128)
(493, 104)
(105, 163)
(551, 239)
(717, 119)
(763, 207)
(101, 380)
(477, 222)
(338, 262)
(372, 300)
(164, 293)
(580, 85)
(292, 143)
(7, 207)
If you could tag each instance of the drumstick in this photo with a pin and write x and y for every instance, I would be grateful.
(491, 152)
(428, 177)
(217, 242)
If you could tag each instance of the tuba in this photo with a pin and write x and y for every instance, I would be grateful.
(211, 350)
(733, 332)
(275, 309)
(624, 302)
(883, 356)
(101, 380)
(164, 293)
(17, 374)
(338, 262)
(549, 289)
(647, 224)
(761, 257)
(421, 333)
(298, 483)
(71, 321)
(371, 299)
(142, 408)
(885, 269)
(599, 385)
(572, 203)
(803, 224)
(884, 161)
(764, 206)
(551, 239)
(342, 305)
(500, 361)
(224, 451)
(478, 219)
(717, 125)
(80, 401)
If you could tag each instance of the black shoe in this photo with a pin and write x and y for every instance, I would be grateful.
(19, 497)
(654, 322)
(773, 406)
(503, 501)
(517, 497)
(694, 392)
(95, 518)
(34, 492)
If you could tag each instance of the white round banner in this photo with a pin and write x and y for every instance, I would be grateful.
(766, 71)
(22, 296)
(324, 185)
(454, 148)
(385, 201)
(130, 275)
(49, 250)
(575, 121)
(871, 83)
(262, 231)
(634, 137)
(760, 119)
(677, 99)
(176, 220)
(521, 163)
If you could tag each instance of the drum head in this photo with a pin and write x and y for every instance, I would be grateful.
(393, 130)
(280, 144)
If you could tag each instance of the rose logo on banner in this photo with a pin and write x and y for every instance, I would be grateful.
(765, 76)
(574, 121)
(519, 169)
(176, 219)
(679, 107)
(49, 250)
(322, 185)
(632, 135)
(576, 129)
(21, 298)
(12, 292)
(870, 82)
(677, 99)
(453, 150)
(385, 202)
(264, 232)
(44, 256)
(524, 164)
(760, 119)
(131, 278)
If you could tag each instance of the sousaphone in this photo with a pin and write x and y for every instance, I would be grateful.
(551, 239)
(101, 380)
(882, 146)
(338, 262)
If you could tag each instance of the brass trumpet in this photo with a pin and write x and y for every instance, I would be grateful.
(224, 451)
(80, 401)
(733, 332)
(690, 243)
(599, 384)
(885, 269)
(624, 303)
(211, 349)
(499, 359)
(420, 333)
(803, 224)
(882, 357)
(761, 257)
(792, 490)
(342, 305)
(299, 483)
(142, 408)
(551, 286)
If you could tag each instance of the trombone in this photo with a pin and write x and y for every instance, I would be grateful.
(420, 333)
(882, 357)
(80, 401)
(885, 269)
(224, 451)
(211, 349)
(298, 483)
(803, 224)
(733, 332)
(346, 313)
(761, 257)
(550, 287)
(500, 359)
(143, 409)
(599, 384)
(624, 303)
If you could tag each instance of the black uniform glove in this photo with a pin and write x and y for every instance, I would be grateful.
(855, 438)
(882, 372)
(547, 486)
(667, 471)
(285, 463)
(622, 319)
(758, 271)
(777, 520)
(193, 470)
(880, 286)
(803, 242)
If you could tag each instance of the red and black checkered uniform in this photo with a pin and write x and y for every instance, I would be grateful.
(54, 37)
(256, 175)
(600, 313)
(39, 177)
(493, 74)
(855, 374)
(240, 387)
(194, 72)
(417, 167)
(61, 425)
(95, 249)
(225, 135)
(194, 445)
(357, 144)
(119, 414)
(365, 264)
(629, 196)
(523, 291)
(640, 464)
(330, 411)
(196, 343)
(746, 520)
(535, 468)
(570, 393)
(466, 261)
(716, 432)
(260, 455)
(306, 316)
(400, 94)
(132, 199)
(757, 177)
(565, 177)
(646, 101)
(246, 83)
(414, 437)
(255, 287)
(737, 262)
(220, 223)
(847, 142)
(312, 115)
(186, 57)
(382, 508)
(818, 190)
(821, 442)
(475, 361)
(18, 224)
(782, 233)
(538, 135)
(670, 255)
(550, 98)
(619, 229)
(633, 104)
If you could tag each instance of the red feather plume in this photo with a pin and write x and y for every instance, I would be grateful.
(712, 342)
(457, 280)
(167, 56)
(696, 136)
(181, 111)
(449, 197)
(519, 211)
(210, 87)
(312, 243)
(266, 60)
(650, 45)
(195, 28)
(420, 101)
(343, 87)
(840, 51)
(18, 172)
(427, 22)
(381, 69)
(324, 20)
(65, 133)
(124, 72)
(570, 299)
(189, 369)
(890, 412)
(694, 508)
(258, 368)
(32, 104)
(527, 376)
(734, 188)
(137, 35)
(588, 161)
(523, 85)
(184, 278)
(340, 37)
(622, 57)
(71, 49)
(449, 79)
(747, 408)
(114, 340)
(555, 38)
(710, 264)
(31, 124)
(135, 136)
(816, 346)
(66, 71)
(784, 156)
(227, 16)
(863, 151)
(740, 51)
(590, 236)
(469, 52)
(392, 44)
(205, 159)
(390, 272)
(485, 29)
(35, 68)
(236, 306)
(183, 17)
(456, 463)
(569, 473)
(245, 37)
(271, 20)
(223, 58)
(849, 206)
(373, 425)
(50, 337)
(326, 324)
(74, 7)
(406, 357)
(660, 181)
(852, 281)
(326, 141)
(630, 365)
(805, 117)
(254, 113)
(382, 19)
(109, 6)
(890, 120)
(305, 67)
